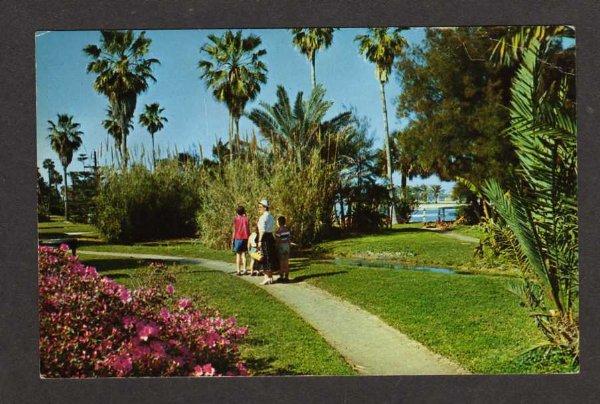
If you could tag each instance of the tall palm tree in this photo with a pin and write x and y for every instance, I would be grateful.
(152, 120)
(49, 166)
(65, 139)
(123, 72)
(112, 126)
(235, 72)
(309, 41)
(381, 46)
(299, 128)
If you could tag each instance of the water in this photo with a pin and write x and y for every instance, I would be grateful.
(391, 265)
(431, 215)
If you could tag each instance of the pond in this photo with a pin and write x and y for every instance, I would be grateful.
(392, 265)
(421, 215)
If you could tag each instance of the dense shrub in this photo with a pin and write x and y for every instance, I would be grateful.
(303, 195)
(139, 204)
(91, 326)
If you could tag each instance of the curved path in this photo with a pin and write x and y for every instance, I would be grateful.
(365, 341)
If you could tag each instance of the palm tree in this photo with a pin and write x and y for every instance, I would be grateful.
(381, 46)
(152, 120)
(436, 191)
(540, 209)
(122, 73)
(49, 166)
(112, 126)
(234, 71)
(309, 41)
(300, 128)
(65, 139)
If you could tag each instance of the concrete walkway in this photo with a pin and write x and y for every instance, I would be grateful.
(365, 341)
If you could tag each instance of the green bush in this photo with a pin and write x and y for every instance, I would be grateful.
(139, 205)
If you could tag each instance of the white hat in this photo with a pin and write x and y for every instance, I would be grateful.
(264, 203)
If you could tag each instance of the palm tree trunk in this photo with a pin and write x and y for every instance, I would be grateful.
(313, 73)
(153, 153)
(404, 187)
(230, 136)
(388, 152)
(237, 132)
(66, 203)
(124, 153)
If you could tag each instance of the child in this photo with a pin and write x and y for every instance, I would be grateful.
(252, 248)
(239, 239)
(283, 237)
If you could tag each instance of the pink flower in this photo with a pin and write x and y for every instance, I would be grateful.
(242, 369)
(208, 370)
(144, 331)
(184, 303)
(211, 339)
(165, 314)
(197, 371)
(170, 289)
(124, 295)
(128, 321)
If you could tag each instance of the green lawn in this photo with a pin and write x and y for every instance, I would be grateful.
(471, 231)
(279, 341)
(472, 319)
(409, 244)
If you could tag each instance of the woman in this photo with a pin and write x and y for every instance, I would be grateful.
(239, 239)
(266, 242)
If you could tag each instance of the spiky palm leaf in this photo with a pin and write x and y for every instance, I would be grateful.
(541, 209)
(300, 128)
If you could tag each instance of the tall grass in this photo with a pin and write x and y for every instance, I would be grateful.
(302, 194)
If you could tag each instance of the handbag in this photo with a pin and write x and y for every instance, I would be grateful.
(256, 255)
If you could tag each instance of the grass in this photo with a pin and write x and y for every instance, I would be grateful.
(471, 231)
(408, 244)
(472, 319)
(279, 341)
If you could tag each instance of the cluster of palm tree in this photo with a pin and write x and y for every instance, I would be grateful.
(234, 71)
(233, 68)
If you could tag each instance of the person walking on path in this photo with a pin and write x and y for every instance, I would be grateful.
(283, 237)
(266, 242)
(239, 239)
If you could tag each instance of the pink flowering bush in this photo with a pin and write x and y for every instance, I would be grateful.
(92, 326)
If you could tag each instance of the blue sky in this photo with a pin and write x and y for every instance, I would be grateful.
(195, 118)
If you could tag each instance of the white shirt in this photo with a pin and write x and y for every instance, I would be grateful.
(266, 223)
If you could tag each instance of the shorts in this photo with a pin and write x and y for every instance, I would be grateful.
(283, 250)
(240, 246)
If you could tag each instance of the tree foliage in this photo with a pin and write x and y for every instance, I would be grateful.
(454, 99)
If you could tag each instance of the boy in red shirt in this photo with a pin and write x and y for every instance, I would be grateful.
(239, 239)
